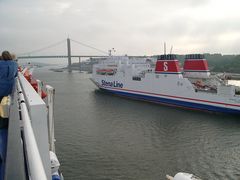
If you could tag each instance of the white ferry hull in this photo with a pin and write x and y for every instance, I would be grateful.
(174, 100)
(165, 88)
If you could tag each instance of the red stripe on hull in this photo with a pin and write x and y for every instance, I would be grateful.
(191, 99)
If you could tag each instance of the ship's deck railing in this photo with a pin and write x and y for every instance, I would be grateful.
(35, 164)
(29, 138)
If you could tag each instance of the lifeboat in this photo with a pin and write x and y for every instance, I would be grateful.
(106, 71)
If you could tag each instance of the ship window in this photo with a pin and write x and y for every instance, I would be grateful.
(110, 73)
(135, 78)
(194, 56)
(167, 57)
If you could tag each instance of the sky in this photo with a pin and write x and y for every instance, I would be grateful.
(133, 27)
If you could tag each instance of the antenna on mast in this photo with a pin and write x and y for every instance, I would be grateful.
(171, 49)
(164, 48)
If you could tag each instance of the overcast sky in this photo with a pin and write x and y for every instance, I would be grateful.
(134, 27)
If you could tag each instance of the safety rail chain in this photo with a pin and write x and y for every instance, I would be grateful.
(35, 165)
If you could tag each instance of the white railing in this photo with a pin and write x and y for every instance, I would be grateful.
(39, 85)
(35, 165)
(50, 99)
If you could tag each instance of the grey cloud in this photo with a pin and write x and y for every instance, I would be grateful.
(133, 27)
(178, 3)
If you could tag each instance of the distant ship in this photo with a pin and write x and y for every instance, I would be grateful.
(163, 81)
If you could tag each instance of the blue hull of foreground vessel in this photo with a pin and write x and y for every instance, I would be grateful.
(171, 102)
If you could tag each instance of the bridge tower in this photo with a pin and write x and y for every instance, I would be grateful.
(69, 55)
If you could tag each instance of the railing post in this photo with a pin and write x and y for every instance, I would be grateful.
(69, 55)
(39, 86)
(50, 99)
(79, 64)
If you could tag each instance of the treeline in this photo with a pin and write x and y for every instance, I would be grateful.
(216, 62)
(220, 63)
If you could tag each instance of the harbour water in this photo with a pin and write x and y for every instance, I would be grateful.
(102, 137)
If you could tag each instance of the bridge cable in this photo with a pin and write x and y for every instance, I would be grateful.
(99, 50)
(44, 48)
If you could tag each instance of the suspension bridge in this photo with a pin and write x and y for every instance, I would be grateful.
(69, 55)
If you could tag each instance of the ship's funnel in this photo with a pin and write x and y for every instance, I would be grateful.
(196, 66)
(167, 64)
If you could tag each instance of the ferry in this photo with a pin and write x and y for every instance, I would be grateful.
(162, 80)
(27, 140)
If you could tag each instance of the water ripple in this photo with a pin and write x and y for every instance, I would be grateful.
(105, 137)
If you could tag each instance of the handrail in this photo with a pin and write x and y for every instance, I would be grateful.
(35, 164)
(50, 99)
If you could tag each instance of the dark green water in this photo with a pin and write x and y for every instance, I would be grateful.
(102, 137)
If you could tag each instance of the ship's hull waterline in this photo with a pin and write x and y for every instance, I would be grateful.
(171, 102)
